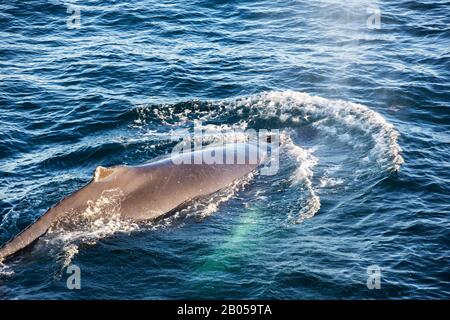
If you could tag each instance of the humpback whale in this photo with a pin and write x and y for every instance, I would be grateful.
(152, 190)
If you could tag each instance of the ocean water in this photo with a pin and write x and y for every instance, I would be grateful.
(358, 89)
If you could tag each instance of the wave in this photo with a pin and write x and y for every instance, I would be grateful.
(338, 118)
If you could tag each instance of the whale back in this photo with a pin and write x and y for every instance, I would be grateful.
(149, 191)
(157, 188)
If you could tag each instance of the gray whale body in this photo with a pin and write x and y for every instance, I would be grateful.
(152, 190)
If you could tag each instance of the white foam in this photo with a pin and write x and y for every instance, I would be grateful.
(101, 219)
(329, 182)
(303, 174)
(70, 251)
(5, 270)
(343, 115)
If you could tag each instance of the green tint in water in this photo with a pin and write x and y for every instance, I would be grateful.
(239, 243)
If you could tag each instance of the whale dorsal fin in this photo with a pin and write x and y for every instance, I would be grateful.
(102, 173)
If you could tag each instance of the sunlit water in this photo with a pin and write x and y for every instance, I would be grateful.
(364, 173)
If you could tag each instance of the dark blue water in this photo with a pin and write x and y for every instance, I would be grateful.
(364, 171)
